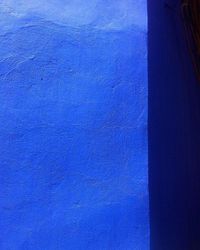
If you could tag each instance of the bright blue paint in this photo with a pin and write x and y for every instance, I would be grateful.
(73, 133)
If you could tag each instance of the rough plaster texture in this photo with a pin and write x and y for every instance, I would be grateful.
(73, 134)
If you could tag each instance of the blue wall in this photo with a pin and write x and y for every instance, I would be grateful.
(73, 134)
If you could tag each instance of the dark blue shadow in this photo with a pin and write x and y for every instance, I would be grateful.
(174, 133)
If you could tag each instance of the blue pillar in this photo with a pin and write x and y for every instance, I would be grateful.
(73, 134)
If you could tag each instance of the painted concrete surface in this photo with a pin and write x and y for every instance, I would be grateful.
(73, 134)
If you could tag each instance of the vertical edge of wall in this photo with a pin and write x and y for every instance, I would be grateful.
(174, 137)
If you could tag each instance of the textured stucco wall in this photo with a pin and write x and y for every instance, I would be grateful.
(73, 134)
